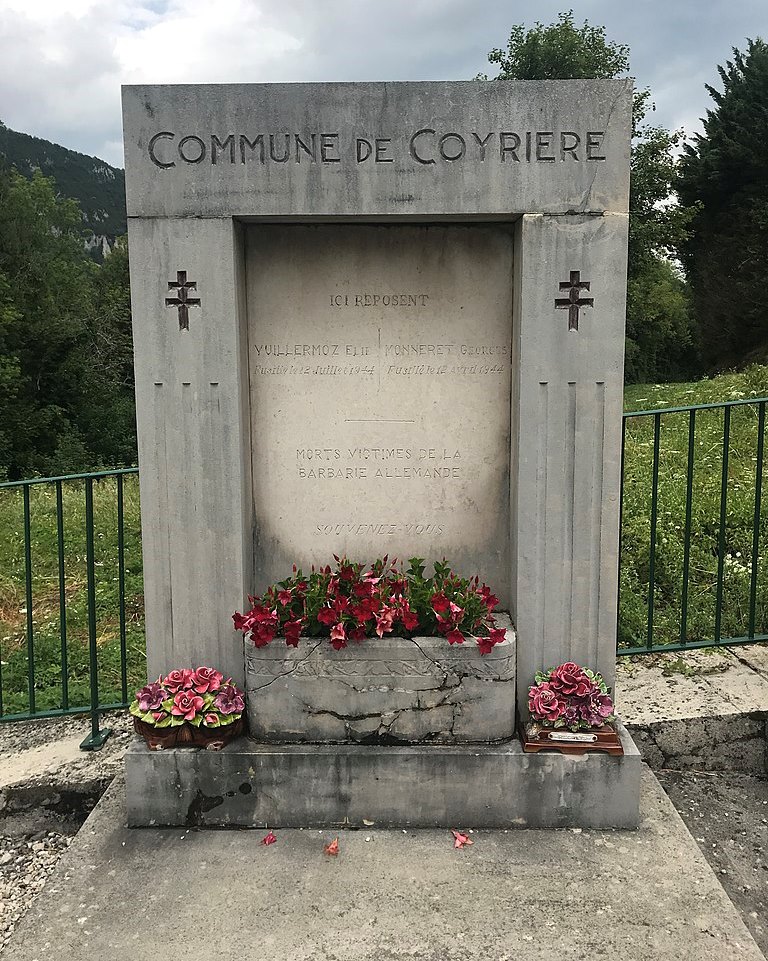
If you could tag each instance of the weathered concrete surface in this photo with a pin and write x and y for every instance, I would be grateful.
(249, 784)
(379, 365)
(442, 149)
(389, 690)
(194, 441)
(567, 396)
(524, 895)
(698, 709)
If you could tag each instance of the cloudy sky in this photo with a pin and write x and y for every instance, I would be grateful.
(62, 61)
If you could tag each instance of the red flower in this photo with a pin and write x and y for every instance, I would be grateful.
(179, 680)
(384, 620)
(409, 619)
(285, 597)
(455, 637)
(440, 603)
(357, 634)
(186, 705)
(485, 645)
(292, 630)
(338, 636)
(570, 679)
(490, 600)
(206, 679)
(326, 616)
(543, 702)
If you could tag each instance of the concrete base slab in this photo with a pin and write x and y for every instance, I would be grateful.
(647, 895)
(249, 784)
(698, 709)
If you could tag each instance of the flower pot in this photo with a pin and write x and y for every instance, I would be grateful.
(389, 690)
(187, 735)
(536, 737)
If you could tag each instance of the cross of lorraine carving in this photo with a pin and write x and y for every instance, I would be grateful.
(574, 301)
(182, 300)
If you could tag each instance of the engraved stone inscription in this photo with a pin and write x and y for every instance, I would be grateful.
(380, 394)
(425, 146)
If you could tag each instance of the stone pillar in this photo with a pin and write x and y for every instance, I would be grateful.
(194, 438)
(567, 398)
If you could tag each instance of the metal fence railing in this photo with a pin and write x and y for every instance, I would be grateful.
(692, 573)
(71, 638)
(693, 535)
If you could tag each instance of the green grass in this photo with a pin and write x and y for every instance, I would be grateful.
(705, 513)
(45, 595)
(634, 572)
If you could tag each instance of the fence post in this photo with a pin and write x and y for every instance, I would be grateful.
(96, 738)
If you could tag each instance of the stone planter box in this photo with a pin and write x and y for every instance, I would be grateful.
(392, 690)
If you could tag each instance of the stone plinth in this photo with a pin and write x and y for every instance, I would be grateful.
(384, 690)
(261, 785)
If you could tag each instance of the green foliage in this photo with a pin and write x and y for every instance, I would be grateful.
(724, 173)
(98, 188)
(45, 595)
(705, 513)
(66, 397)
(661, 340)
(561, 51)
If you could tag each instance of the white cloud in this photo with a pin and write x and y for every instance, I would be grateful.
(62, 61)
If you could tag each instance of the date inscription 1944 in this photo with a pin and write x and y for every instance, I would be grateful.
(425, 147)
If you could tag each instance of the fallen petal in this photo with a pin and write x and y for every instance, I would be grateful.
(268, 838)
(461, 840)
(332, 848)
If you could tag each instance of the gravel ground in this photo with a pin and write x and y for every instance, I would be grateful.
(41, 812)
(25, 864)
(728, 816)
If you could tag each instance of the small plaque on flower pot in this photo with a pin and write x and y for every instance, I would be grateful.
(536, 737)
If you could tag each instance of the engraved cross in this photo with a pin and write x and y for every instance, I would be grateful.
(574, 301)
(182, 301)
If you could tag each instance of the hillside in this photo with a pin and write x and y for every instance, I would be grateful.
(98, 187)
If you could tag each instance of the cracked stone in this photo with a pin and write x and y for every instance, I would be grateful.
(401, 690)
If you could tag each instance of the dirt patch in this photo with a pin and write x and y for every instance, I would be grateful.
(727, 814)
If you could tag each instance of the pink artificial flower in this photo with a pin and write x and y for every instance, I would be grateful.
(570, 679)
(179, 680)
(230, 699)
(151, 697)
(186, 705)
(543, 702)
(211, 720)
(206, 679)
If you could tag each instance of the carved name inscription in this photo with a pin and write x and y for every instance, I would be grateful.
(380, 390)
(425, 147)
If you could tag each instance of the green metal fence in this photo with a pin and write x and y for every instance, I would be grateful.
(64, 620)
(692, 573)
(693, 536)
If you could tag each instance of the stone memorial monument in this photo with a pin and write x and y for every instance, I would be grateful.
(380, 319)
